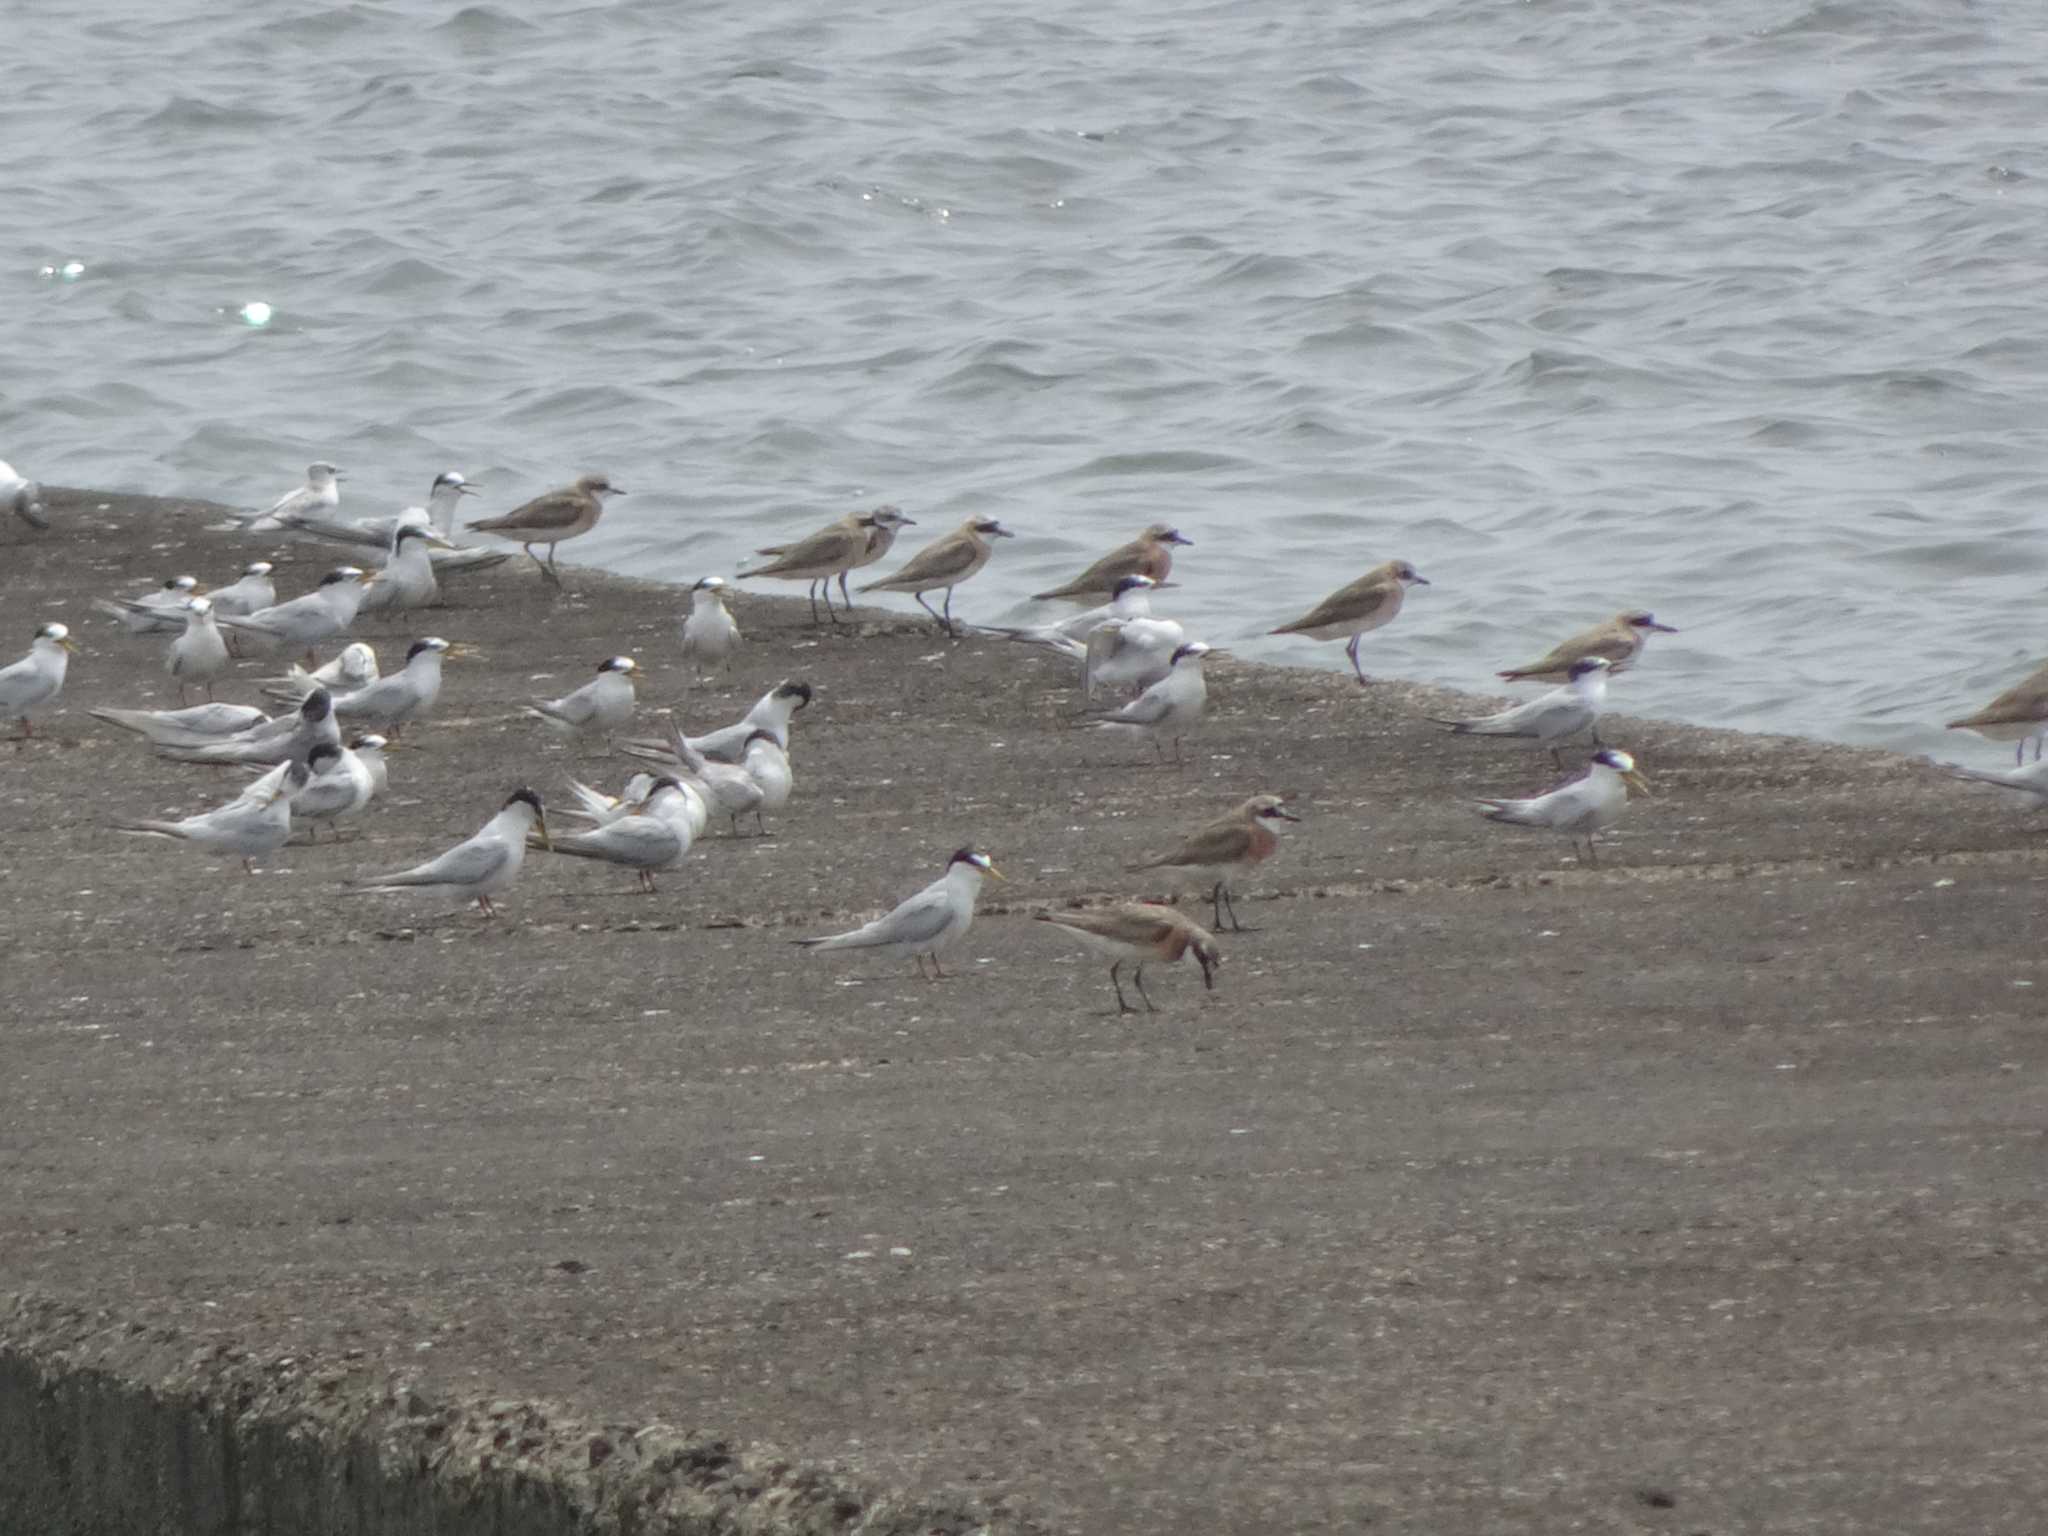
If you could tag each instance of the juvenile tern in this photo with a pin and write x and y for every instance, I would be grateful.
(321, 494)
(22, 496)
(1149, 554)
(1233, 843)
(855, 540)
(407, 578)
(340, 783)
(1366, 604)
(600, 707)
(564, 514)
(1142, 932)
(250, 591)
(2030, 778)
(772, 713)
(2019, 714)
(303, 622)
(353, 666)
(929, 923)
(289, 738)
(1170, 707)
(1550, 717)
(30, 686)
(158, 612)
(184, 727)
(647, 840)
(1585, 807)
(256, 822)
(710, 634)
(1620, 640)
(392, 701)
(479, 867)
(945, 563)
(199, 654)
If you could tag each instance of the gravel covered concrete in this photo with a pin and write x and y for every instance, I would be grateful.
(1700, 1192)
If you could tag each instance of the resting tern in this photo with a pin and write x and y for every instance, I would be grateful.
(302, 623)
(479, 867)
(710, 635)
(30, 686)
(930, 922)
(945, 563)
(2030, 778)
(1171, 706)
(768, 766)
(255, 822)
(728, 789)
(407, 578)
(400, 697)
(252, 590)
(855, 540)
(1130, 654)
(438, 516)
(185, 727)
(600, 707)
(22, 496)
(652, 838)
(772, 713)
(1620, 640)
(1142, 932)
(289, 738)
(1550, 717)
(341, 781)
(1150, 554)
(565, 514)
(1585, 807)
(2019, 714)
(1233, 843)
(158, 612)
(689, 809)
(1366, 604)
(199, 654)
(321, 494)
(352, 667)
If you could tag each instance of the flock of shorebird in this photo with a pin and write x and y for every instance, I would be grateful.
(1147, 664)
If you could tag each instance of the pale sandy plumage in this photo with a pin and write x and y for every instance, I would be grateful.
(2019, 714)
(1144, 933)
(1372, 600)
(945, 563)
(567, 513)
(1237, 841)
(1149, 554)
(853, 541)
(1618, 641)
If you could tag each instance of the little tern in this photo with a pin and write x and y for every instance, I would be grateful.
(772, 713)
(728, 789)
(1620, 640)
(30, 686)
(568, 513)
(647, 840)
(158, 612)
(353, 666)
(340, 783)
(407, 578)
(945, 563)
(710, 634)
(199, 654)
(258, 821)
(1150, 554)
(479, 867)
(2029, 778)
(1585, 807)
(1069, 637)
(768, 766)
(2019, 714)
(437, 516)
(394, 700)
(1170, 707)
(600, 707)
(929, 923)
(320, 495)
(1130, 654)
(1366, 604)
(855, 540)
(289, 738)
(1142, 932)
(1239, 840)
(1550, 717)
(252, 590)
(185, 727)
(22, 496)
(303, 622)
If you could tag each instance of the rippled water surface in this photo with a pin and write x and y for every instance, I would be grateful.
(1732, 311)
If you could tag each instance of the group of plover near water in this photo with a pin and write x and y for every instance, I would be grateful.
(322, 758)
